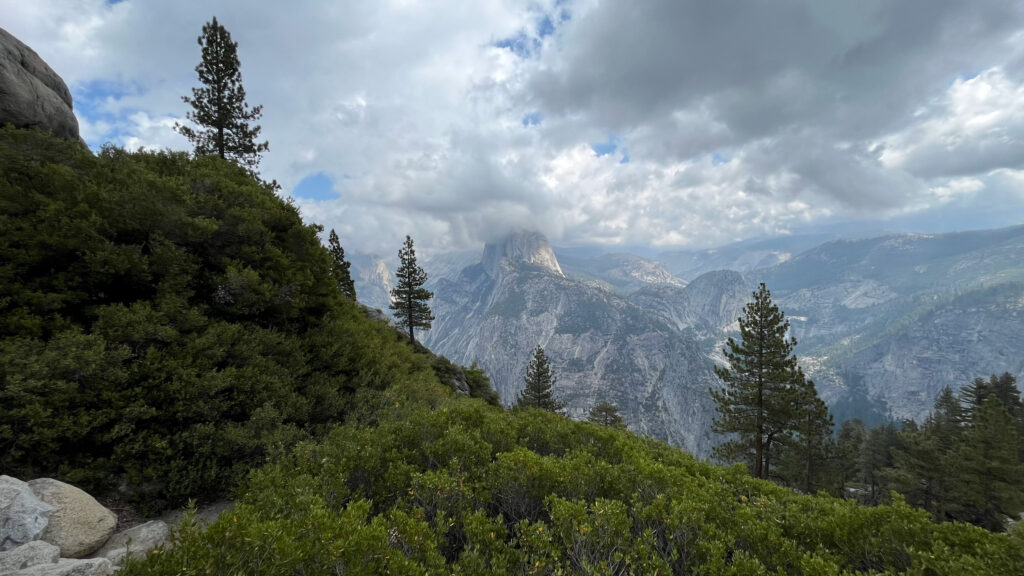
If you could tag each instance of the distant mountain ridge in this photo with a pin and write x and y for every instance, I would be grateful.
(883, 322)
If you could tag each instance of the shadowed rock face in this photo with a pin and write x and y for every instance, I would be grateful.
(32, 95)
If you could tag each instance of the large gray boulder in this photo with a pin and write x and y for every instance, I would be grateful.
(23, 516)
(67, 567)
(79, 524)
(135, 541)
(32, 95)
(32, 554)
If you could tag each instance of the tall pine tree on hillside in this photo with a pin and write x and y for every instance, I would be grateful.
(219, 110)
(537, 392)
(988, 479)
(923, 463)
(409, 297)
(762, 385)
(341, 268)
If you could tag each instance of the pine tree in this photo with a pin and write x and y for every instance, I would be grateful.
(808, 449)
(762, 385)
(341, 268)
(848, 446)
(606, 414)
(987, 479)
(922, 463)
(219, 109)
(875, 457)
(409, 297)
(537, 391)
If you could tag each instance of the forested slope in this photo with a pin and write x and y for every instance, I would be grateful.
(169, 324)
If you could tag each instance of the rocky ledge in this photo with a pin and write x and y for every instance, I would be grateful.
(49, 528)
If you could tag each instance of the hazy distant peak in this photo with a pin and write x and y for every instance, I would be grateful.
(522, 246)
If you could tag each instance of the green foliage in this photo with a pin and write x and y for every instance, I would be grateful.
(465, 488)
(539, 381)
(964, 463)
(606, 414)
(219, 108)
(169, 323)
(807, 452)
(474, 377)
(409, 297)
(341, 268)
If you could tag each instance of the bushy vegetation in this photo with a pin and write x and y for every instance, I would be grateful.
(466, 488)
(168, 323)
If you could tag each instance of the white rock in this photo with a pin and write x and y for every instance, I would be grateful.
(79, 524)
(68, 567)
(31, 554)
(23, 516)
(136, 541)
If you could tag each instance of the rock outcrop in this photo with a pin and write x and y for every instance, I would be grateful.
(32, 95)
(135, 541)
(23, 516)
(520, 248)
(66, 567)
(27, 555)
(79, 524)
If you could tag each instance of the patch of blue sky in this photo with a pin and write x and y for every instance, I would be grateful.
(717, 158)
(521, 44)
(317, 186)
(545, 27)
(97, 103)
(526, 43)
(533, 119)
(966, 76)
(605, 148)
(625, 158)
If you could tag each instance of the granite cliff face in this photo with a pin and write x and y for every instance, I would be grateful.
(710, 305)
(601, 346)
(373, 280)
(887, 317)
(32, 95)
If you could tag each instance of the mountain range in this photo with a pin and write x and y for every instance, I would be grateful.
(884, 323)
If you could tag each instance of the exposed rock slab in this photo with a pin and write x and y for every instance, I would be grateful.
(27, 555)
(79, 524)
(32, 95)
(135, 541)
(23, 516)
(68, 567)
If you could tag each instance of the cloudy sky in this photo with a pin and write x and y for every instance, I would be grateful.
(651, 123)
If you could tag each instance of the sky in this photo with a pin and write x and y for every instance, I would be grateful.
(659, 123)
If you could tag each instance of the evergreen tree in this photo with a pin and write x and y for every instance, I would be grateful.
(807, 451)
(1003, 387)
(762, 385)
(409, 297)
(219, 110)
(925, 457)
(848, 446)
(340, 268)
(876, 456)
(988, 478)
(606, 414)
(537, 392)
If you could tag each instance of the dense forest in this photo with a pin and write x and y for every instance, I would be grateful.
(170, 327)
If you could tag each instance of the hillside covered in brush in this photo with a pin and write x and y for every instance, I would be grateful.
(168, 325)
